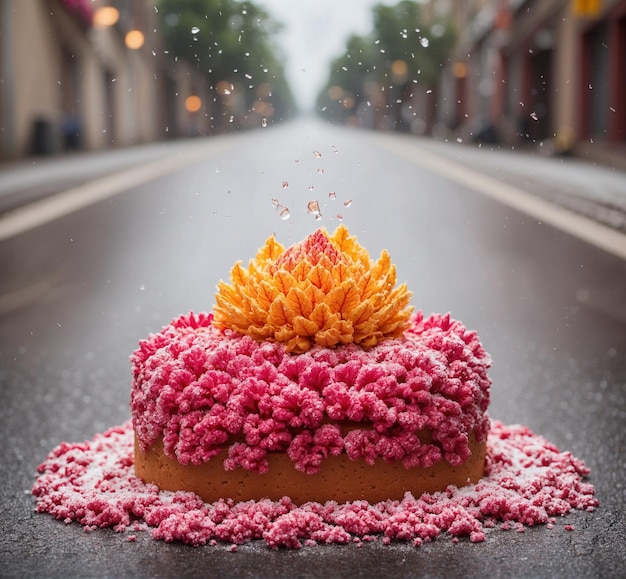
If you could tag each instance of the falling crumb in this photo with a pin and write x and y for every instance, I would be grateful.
(528, 482)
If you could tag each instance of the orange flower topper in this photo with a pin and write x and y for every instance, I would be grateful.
(323, 290)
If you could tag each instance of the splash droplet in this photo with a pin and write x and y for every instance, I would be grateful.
(320, 171)
(347, 203)
(313, 207)
(195, 30)
(534, 116)
(284, 214)
(311, 187)
(335, 150)
(340, 216)
(317, 154)
(332, 195)
(275, 202)
(264, 122)
(285, 184)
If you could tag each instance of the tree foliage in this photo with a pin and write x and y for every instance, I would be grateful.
(404, 52)
(231, 44)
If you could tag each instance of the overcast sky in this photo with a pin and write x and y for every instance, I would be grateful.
(315, 32)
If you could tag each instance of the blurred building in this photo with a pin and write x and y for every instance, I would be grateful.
(551, 73)
(90, 74)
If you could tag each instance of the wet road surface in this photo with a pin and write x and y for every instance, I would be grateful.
(77, 293)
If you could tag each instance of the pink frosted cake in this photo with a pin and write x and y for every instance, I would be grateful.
(314, 379)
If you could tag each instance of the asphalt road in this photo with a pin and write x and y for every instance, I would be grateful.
(82, 282)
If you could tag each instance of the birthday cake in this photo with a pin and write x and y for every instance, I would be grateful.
(312, 378)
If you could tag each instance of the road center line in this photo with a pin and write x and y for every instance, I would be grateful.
(59, 205)
(594, 233)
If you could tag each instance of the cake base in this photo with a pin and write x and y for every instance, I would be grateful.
(339, 479)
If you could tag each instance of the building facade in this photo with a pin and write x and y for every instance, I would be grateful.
(550, 73)
(76, 77)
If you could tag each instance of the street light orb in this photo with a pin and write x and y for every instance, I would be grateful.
(134, 39)
(399, 68)
(459, 69)
(335, 92)
(105, 16)
(193, 103)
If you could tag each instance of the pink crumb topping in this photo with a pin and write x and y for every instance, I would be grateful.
(528, 482)
(200, 388)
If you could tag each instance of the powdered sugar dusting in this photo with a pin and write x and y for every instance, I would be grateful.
(528, 481)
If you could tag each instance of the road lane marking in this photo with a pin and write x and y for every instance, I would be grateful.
(27, 295)
(61, 204)
(594, 233)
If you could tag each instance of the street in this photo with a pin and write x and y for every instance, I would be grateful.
(83, 280)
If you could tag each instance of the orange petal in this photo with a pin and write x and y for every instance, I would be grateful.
(266, 294)
(344, 298)
(304, 327)
(284, 281)
(238, 274)
(324, 317)
(279, 314)
(299, 302)
(321, 278)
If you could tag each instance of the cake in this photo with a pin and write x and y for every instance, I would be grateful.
(312, 378)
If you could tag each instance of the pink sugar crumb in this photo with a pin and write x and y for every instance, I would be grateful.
(93, 483)
(198, 388)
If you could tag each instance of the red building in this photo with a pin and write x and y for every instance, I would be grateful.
(547, 73)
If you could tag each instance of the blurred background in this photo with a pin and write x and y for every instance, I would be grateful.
(101, 74)
(148, 145)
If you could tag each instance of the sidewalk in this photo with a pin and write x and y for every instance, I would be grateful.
(595, 188)
(26, 180)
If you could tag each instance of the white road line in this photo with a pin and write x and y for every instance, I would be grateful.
(57, 206)
(594, 233)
